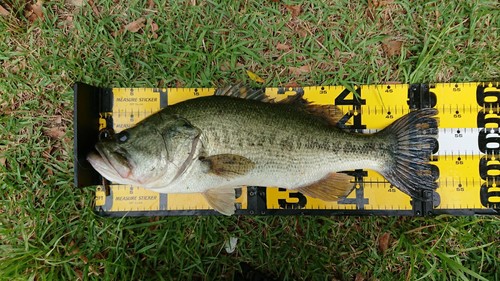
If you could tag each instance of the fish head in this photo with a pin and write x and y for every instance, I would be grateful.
(151, 154)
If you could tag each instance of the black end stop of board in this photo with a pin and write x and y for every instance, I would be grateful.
(88, 102)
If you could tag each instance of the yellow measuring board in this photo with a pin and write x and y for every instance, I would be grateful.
(466, 162)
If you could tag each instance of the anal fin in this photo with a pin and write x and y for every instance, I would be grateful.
(330, 188)
(221, 199)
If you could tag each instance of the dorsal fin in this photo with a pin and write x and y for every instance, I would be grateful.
(329, 113)
(244, 92)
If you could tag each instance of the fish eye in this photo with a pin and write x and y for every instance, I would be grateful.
(106, 134)
(122, 136)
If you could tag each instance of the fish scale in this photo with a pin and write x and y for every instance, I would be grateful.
(308, 141)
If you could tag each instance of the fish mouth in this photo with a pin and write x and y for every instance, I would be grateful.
(114, 165)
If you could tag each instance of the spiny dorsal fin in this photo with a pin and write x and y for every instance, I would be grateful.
(228, 165)
(221, 199)
(243, 92)
(330, 188)
(330, 113)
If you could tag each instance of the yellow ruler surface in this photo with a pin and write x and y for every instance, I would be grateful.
(467, 162)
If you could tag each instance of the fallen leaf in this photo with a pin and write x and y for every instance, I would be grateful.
(55, 132)
(69, 22)
(154, 28)
(34, 11)
(299, 70)
(57, 119)
(255, 77)
(373, 4)
(230, 245)
(383, 242)
(225, 66)
(75, 250)
(94, 8)
(379, 3)
(337, 53)
(179, 84)
(392, 47)
(370, 10)
(135, 25)
(294, 10)
(359, 277)
(283, 47)
(292, 84)
(78, 273)
(301, 31)
(4, 12)
(76, 3)
(151, 4)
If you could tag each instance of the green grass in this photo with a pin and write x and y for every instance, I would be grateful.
(48, 230)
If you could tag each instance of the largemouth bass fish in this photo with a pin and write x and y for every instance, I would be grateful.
(237, 138)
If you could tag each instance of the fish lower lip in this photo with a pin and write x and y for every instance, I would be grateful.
(123, 170)
(94, 157)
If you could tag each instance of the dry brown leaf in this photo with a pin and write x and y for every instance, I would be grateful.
(4, 12)
(359, 277)
(76, 3)
(34, 11)
(78, 273)
(69, 22)
(154, 28)
(299, 70)
(378, 3)
(55, 132)
(370, 10)
(179, 84)
(57, 119)
(291, 84)
(135, 25)
(301, 31)
(94, 8)
(392, 47)
(151, 4)
(225, 66)
(383, 242)
(294, 10)
(374, 4)
(283, 47)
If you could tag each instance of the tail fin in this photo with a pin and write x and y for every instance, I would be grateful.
(415, 135)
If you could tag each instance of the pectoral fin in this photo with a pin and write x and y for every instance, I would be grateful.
(330, 188)
(228, 165)
(221, 199)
